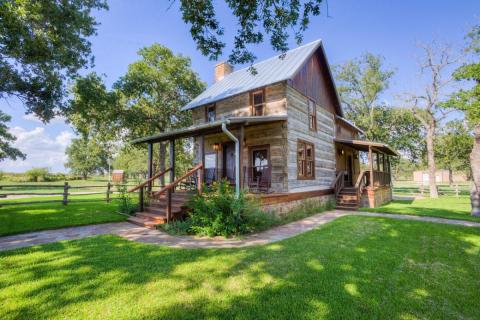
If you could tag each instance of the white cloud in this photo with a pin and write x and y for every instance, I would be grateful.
(34, 118)
(42, 150)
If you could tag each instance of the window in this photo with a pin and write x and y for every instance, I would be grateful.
(210, 113)
(305, 160)
(259, 158)
(258, 102)
(312, 115)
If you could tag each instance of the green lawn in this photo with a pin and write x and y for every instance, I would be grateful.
(31, 217)
(352, 268)
(443, 207)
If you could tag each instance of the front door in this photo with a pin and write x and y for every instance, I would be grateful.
(229, 161)
(349, 170)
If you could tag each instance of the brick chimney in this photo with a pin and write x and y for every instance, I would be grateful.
(222, 69)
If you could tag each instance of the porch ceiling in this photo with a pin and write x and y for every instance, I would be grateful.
(363, 145)
(209, 128)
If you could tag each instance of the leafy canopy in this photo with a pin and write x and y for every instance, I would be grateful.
(86, 156)
(468, 100)
(255, 19)
(146, 100)
(6, 138)
(360, 83)
(42, 44)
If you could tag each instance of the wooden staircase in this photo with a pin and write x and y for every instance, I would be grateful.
(155, 212)
(347, 199)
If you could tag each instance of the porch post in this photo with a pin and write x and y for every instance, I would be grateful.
(202, 159)
(172, 160)
(150, 166)
(240, 162)
(370, 162)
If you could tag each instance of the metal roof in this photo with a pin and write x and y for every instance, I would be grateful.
(209, 127)
(272, 70)
(363, 145)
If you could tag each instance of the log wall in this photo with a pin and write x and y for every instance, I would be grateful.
(297, 106)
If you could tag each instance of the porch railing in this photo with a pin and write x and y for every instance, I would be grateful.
(147, 183)
(171, 186)
(381, 178)
(339, 183)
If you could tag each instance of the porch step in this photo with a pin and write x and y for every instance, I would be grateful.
(143, 222)
(347, 199)
(156, 212)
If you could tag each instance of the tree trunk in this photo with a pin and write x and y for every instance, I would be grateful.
(161, 162)
(475, 164)
(431, 162)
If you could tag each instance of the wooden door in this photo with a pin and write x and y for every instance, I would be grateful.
(229, 161)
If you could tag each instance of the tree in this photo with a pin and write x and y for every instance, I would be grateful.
(6, 138)
(453, 146)
(360, 83)
(86, 156)
(273, 18)
(427, 106)
(145, 101)
(42, 44)
(468, 100)
(132, 161)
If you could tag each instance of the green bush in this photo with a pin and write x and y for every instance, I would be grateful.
(177, 227)
(125, 202)
(37, 174)
(218, 212)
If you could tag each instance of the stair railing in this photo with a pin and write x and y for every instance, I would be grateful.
(171, 186)
(361, 183)
(339, 183)
(142, 186)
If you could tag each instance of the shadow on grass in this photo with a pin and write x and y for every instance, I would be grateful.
(354, 267)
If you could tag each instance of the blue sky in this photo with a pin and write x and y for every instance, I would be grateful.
(388, 28)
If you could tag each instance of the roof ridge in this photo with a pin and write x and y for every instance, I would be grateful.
(273, 57)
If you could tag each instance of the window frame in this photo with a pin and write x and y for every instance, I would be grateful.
(312, 117)
(207, 108)
(303, 163)
(253, 106)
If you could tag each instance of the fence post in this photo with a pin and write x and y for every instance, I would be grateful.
(140, 194)
(108, 191)
(65, 193)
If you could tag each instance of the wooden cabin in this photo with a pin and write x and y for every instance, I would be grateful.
(279, 133)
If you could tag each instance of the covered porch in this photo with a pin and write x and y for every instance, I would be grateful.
(366, 183)
(243, 150)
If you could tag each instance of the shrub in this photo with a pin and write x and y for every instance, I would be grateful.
(126, 204)
(37, 174)
(219, 212)
(178, 227)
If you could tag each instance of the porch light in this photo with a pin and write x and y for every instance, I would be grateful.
(341, 152)
(216, 146)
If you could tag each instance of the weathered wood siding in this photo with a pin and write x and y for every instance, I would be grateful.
(313, 80)
(272, 134)
(297, 106)
(239, 105)
(344, 131)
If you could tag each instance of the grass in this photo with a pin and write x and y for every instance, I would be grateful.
(32, 217)
(352, 268)
(443, 207)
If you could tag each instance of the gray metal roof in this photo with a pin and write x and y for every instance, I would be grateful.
(269, 71)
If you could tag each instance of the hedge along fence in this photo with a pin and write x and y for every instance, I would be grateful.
(63, 191)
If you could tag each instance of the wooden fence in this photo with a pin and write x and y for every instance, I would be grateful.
(412, 188)
(63, 191)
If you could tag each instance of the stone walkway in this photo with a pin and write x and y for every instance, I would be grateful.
(144, 235)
